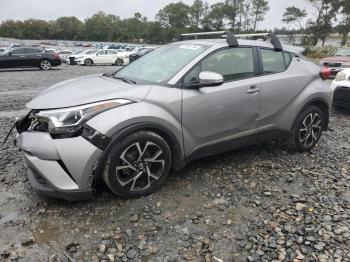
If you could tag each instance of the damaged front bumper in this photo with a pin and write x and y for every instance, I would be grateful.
(61, 168)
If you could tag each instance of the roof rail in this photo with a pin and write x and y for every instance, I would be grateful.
(232, 38)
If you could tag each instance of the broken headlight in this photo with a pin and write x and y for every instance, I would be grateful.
(70, 120)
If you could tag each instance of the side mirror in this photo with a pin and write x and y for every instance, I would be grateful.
(208, 78)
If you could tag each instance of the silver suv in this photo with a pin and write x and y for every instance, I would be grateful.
(186, 100)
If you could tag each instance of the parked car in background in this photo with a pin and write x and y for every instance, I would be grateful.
(341, 89)
(71, 58)
(29, 57)
(64, 54)
(113, 46)
(123, 56)
(338, 62)
(184, 101)
(140, 53)
(100, 57)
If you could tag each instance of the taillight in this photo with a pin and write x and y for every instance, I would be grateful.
(56, 56)
(325, 73)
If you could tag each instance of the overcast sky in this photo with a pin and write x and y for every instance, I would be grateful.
(51, 9)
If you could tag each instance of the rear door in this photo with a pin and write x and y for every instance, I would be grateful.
(283, 79)
(33, 55)
(112, 56)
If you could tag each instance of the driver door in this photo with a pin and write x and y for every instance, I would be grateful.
(17, 58)
(223, 117)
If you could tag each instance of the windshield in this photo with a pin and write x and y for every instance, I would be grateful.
(162, 64)
(343, 52)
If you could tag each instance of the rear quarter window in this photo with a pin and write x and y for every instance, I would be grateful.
(288, 57)
(273, 61)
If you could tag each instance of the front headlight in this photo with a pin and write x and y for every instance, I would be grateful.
(70, 120)
(340, 77)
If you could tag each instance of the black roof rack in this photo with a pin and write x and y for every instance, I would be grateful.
(232, 38)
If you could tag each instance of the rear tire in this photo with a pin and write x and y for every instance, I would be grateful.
(119, 62)
(45, 64)
(88, 62)
(307, 129)
(137, 165)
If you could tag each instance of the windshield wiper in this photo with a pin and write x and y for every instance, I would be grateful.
(126, 80)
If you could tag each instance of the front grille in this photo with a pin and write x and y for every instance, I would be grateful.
(333, 64)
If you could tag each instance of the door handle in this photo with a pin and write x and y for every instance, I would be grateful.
(253, 90)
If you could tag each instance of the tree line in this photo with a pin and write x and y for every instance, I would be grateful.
(240, 16)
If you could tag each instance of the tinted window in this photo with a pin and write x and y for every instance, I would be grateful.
(111, 52)
(102, 52)
(231, 63)
(273, 61)
(33, 51)
(19, 51)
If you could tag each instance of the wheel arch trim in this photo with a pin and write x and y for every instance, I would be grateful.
(319, 102)
(175, 145)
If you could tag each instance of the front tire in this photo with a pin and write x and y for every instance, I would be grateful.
(45, 64)
(137, 165)
(307, 129)
(88, 62)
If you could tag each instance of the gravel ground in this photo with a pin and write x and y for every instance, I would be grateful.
(261, 203)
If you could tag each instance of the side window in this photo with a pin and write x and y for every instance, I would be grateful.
(33, 51)
(111, 52)
(20, 51)
(102, 52)
(232, 63)
(273, 61)
(287, 58)
(193, 77)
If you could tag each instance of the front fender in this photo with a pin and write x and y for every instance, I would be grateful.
(141, 114)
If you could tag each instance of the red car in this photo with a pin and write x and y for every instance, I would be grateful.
(338, 62)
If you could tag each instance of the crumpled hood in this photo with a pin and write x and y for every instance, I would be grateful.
(87, 89)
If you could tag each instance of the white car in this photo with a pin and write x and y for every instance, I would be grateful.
(101, 57)
(71, 58)
(341, 89)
